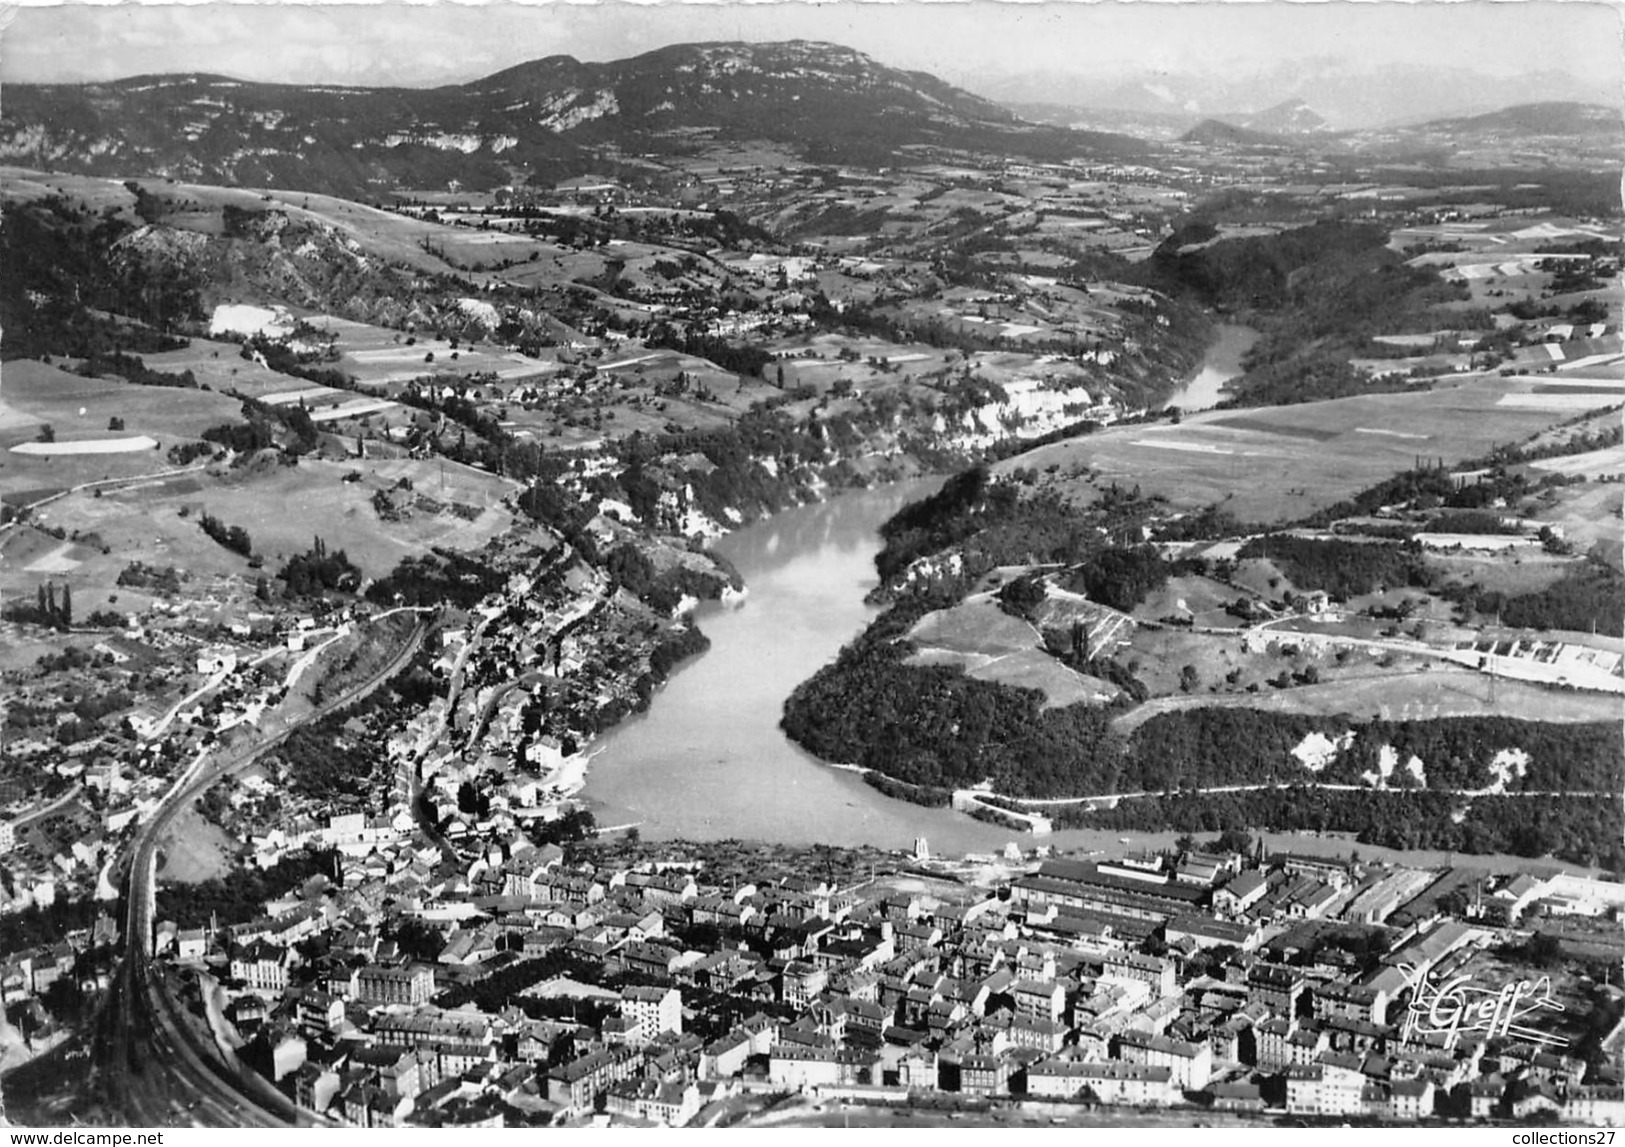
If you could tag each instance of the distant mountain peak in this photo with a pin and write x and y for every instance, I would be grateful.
(1289, 117)
(547, 118)
(1222, 132)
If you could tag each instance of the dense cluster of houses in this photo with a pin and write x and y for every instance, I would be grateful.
(557, 992)
(55, 848)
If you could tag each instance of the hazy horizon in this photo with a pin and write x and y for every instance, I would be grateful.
(355, 43)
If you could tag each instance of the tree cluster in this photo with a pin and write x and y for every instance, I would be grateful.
(1119, 577)
(130, 368)
(1588, 593)
(1582, 830)
(241, 896)
(442, 577)
(1342, 569)
(316, 571)
(934, 727)
(48, 609)
(234, 538)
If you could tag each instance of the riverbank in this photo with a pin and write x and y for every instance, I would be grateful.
(1204, 389)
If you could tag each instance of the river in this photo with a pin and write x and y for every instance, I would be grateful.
(1220, 364)
(708, 760)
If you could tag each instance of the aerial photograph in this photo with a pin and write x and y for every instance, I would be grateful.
(937, 565)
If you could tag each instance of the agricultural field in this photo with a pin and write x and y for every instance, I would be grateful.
(220, 366)
(1592, 465)
(1589, 515)
(79, 411)
(1526, 573)
(1283, 463)
(79, 408)
(991, 645)
(414, 243)
(281, 507)
(1159, 657)
(22, 646)
(376, 356)
(1200, 599)
(24, 185)
(1409, 690)
(653, 392)
(816, 360)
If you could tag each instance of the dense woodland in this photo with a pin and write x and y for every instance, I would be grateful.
(1206, 747)
(34, 926)
(1120, 578)
(66, 281)
(933, 726)
(1342, 569)
(632, 570)
(1589, 596)
(1316, 294)
(1585, 831)
(441, 577)
(993, 523)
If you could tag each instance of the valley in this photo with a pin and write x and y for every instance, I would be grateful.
(379, 465)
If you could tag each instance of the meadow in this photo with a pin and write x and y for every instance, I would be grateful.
(220, 366)
(80, 410)
(1282, 463)
(991, 645)
(1414, 695)
(283, 508)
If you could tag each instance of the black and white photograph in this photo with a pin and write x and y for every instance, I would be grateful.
(940, 566)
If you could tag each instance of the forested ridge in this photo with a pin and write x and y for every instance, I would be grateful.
(936, 727)
(1316, 294)
(1207, 747)
(925, 730)
(932, 725)
(994, 522)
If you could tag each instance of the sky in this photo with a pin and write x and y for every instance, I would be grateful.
(420, 44)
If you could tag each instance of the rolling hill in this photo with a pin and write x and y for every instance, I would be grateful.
(1556, 118)
(1292, 117)
(1218, 132)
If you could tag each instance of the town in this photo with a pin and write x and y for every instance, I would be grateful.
(410, 986)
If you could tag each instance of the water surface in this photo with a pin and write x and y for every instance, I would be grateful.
(1220, 364)
(708, 761)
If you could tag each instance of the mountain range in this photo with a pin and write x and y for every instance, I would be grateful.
(542, 120)
(1347, 93)
(558, 117)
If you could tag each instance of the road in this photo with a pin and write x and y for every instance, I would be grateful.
(1261, 786)
(22, 512)
(157, 1068)
(412, 769)
(57, 805)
